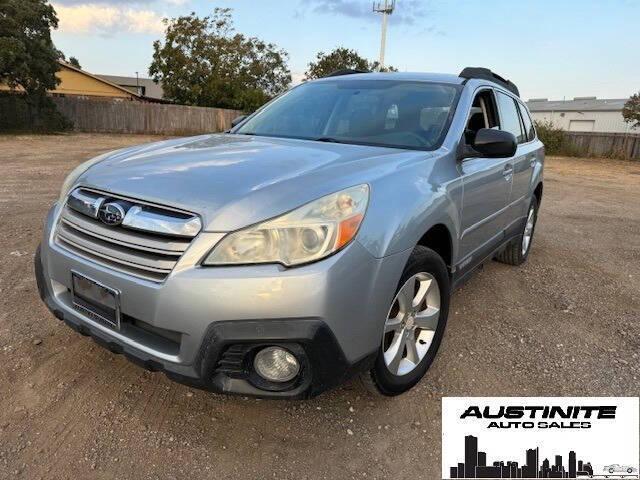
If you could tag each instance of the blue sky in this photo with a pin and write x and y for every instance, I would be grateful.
(554, 49)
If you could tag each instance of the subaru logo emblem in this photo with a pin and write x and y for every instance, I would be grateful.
(111, 214)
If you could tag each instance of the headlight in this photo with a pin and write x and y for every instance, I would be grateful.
(304, 235)
(72, 178)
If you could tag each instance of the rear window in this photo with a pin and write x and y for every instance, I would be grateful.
(509, 117)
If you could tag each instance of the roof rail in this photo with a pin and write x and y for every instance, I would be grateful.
(346, 71)
(487, 74)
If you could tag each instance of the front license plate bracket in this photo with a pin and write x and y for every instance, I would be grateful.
(96, 300)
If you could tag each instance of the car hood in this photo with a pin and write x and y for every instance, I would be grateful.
(233, 181)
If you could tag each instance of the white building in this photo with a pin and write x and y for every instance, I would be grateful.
(582, 114)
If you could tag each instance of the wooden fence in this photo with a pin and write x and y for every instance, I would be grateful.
(126, 116)
(613, 145)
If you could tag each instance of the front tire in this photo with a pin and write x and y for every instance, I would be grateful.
(414, 327)
(517, 250)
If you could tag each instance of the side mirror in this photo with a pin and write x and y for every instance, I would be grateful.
(495, 143)
(238, 120)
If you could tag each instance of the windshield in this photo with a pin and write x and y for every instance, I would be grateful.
(389, 113)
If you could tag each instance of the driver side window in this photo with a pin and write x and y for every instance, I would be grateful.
(482, 115)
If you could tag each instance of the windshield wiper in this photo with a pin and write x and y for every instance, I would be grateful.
(327, 140)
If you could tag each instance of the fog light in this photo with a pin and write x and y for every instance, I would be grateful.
(276, 364)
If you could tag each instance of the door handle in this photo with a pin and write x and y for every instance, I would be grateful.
(532, 160)
(508, 171)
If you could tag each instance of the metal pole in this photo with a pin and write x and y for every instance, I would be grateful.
(383, 40)
(386, 8)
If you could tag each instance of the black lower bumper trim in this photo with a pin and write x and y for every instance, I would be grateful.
(325, 365)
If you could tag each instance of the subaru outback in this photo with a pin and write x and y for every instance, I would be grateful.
(319, 238)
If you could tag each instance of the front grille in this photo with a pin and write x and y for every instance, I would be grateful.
(146, 254)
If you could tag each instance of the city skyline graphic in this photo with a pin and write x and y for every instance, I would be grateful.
(475, 465)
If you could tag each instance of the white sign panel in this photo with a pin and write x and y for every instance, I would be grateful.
(540, 437)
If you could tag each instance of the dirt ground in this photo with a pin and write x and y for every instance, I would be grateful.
(566, 323)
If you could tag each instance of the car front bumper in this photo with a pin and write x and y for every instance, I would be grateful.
(202, 325)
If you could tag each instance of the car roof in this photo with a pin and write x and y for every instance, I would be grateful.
(399, 76)
(414, 77)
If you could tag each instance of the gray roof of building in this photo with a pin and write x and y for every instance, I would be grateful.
(578, 104)
(153, 89)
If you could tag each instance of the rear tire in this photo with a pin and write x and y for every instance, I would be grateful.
(415, 325)
(517, 250)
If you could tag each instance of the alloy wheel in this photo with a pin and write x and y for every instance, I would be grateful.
(411, 323)
(528, 231)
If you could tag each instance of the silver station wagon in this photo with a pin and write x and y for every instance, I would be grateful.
(320, 238)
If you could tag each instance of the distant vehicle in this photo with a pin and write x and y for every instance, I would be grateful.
(620, 469)
(320, 237)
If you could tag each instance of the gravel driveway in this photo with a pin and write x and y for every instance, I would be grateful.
(566, 323)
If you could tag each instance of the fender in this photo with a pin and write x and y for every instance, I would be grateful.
(431, 194)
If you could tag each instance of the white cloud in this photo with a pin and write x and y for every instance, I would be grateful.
(177, 2)
(107, 19)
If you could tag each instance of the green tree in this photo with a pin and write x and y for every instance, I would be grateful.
(552, 136)
(341, 58)
(631, 111)
(202, 61)
(555, 139)
(28, 58)
(28, 64)
(74, 62)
